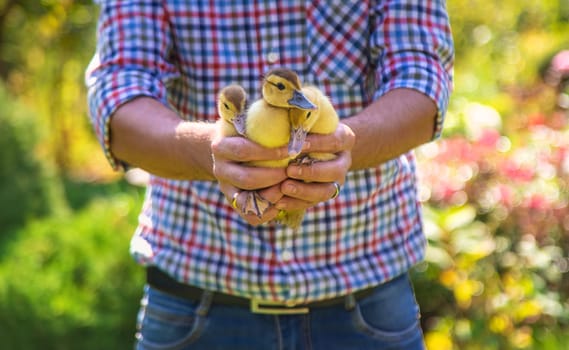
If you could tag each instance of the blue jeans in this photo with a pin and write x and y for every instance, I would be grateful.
(386, 319)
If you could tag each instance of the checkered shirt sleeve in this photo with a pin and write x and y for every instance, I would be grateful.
(131, 61)
(414, 48)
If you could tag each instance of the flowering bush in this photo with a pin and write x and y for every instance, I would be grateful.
(497, 220)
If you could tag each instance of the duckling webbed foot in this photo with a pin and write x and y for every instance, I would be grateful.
(255, 204)
(305, 160)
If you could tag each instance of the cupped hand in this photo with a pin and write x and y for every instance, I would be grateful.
(310, 183)
(230, 156)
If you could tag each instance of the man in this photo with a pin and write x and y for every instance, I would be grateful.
(219, 278)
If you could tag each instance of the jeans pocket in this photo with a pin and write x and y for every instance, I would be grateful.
(390, 314)
(167, 322)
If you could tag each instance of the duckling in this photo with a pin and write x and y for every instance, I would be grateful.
(322, 120)
(231, 104)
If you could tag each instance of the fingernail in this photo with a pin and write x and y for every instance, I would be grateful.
(291, 189)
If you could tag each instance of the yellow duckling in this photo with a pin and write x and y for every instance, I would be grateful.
(231, 104)
(268, 119)
(322, 120)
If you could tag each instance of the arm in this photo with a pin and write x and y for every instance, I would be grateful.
(399, 121)
(396, 123)
(412, 45)
(128, 102)
(146, 134)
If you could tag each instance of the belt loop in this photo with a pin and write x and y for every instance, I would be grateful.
(205, 303)
(350, 302)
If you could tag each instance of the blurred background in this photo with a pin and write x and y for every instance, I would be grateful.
(495, 187)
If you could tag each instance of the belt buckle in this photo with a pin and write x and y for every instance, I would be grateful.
(269, 307)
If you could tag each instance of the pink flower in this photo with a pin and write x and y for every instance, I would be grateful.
(515, 172)
(560, 62)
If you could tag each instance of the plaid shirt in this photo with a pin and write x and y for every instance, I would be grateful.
(183, 52)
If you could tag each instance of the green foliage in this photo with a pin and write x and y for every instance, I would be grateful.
(44, 49)
(68, 282)
(28, 187)
(500, 44)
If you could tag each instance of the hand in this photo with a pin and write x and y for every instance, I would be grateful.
(309, 184)
(229, 157)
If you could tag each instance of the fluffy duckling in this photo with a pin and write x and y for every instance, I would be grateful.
(322, 120)
(231, 107)
(231, 104)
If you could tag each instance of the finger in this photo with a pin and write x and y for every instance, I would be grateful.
(236, 199)
(273, 194)
(309, 193)
(247, 177)
(291, 203)
(322, 171)
(239, 149)
(343, 139)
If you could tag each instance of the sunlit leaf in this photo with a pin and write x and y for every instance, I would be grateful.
(458, 217)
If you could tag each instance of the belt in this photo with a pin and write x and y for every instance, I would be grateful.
(161, 281)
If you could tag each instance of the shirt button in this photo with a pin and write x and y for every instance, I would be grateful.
(287, 255)
(272, 57)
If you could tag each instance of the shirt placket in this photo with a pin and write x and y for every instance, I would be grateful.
(285, 256)
(271, 43)
(270, 29)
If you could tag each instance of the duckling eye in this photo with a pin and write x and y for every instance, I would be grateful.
(280, 86)
(308, 115)
(225, 105)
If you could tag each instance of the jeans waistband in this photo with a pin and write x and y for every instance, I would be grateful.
(163, 282)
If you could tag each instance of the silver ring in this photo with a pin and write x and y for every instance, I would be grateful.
(337, 193)
(234, 200)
